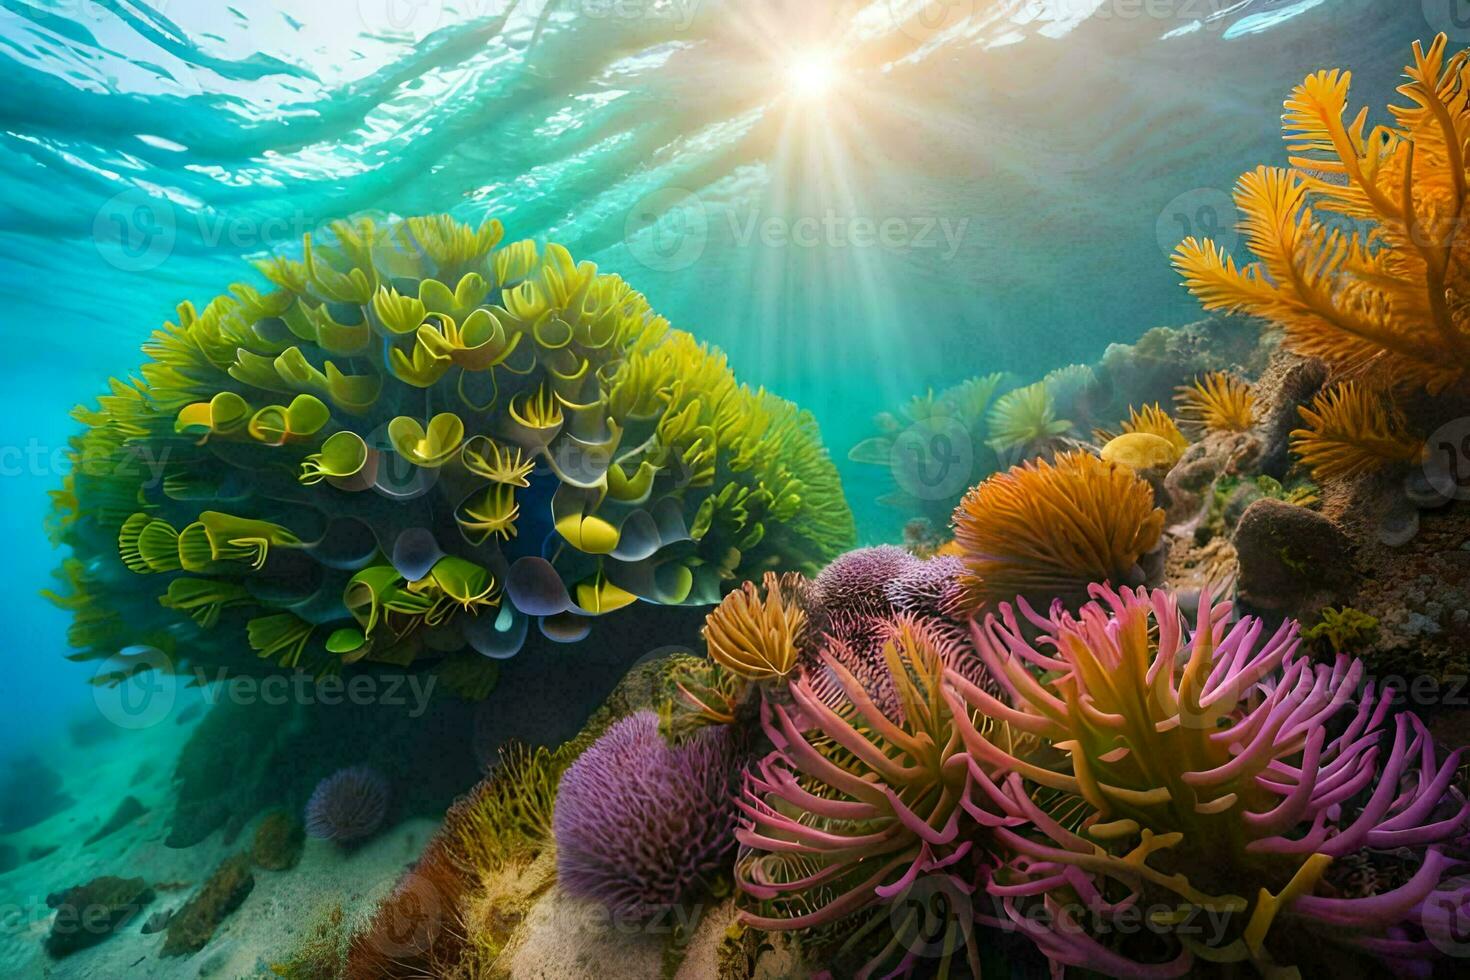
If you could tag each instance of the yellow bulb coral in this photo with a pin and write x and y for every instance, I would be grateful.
(757, 636)
(1218, 402)
(1351, 431)
(1048, 530)
(1390, 303)
(1141, 452)
(1155, 421)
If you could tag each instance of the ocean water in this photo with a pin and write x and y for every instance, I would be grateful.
(855, 201)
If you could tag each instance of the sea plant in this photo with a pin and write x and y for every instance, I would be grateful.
(757, 632)
(861, 799)
(643, 826)
(348, 806)
(1218, 402)
(1025, 417)
(1217, 773)
(1047, 530)
(411, 444)
(1386, 302)
(1342, 630)
(1351, 431)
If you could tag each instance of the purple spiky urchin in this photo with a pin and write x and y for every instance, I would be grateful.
(348, 806)
(641, 824)
(854, 583)
(928, 588)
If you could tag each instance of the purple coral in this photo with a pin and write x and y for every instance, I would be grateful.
(854, 583)
(640, 824)
(348, 806)
(928, 588)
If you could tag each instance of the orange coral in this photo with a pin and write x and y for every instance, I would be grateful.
(1351, 431)
(757, 637)
(1046, 531)
(1391, 304)
(1218, 402)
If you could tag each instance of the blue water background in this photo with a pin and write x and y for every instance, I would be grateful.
(147, 151)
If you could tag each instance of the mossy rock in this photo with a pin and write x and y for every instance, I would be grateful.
(279, 838)
(193, 925)
(89, 913)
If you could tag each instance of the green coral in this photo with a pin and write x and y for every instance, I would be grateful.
(1344, 630)
(413, 443)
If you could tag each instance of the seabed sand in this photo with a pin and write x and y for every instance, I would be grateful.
(282, 906)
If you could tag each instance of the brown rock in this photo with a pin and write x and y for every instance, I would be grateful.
(88, 914)
(1293, 562)
(193, 925)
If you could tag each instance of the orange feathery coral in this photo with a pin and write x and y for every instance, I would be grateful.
(1154, 421)
(1351, 431)
(1046, 531)
(1391, 304)
(1218, 402)
(757, 637)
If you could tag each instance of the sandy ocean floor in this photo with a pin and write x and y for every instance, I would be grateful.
(262, 930)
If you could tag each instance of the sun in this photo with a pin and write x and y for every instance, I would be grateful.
(811, 74)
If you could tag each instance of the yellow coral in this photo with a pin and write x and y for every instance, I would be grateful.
(1351, 431)
(1218, 402)
(1046, 531)
(756, 637)
(1391, 304)
(1142, 452)
(1024, 416)
(1155, 421)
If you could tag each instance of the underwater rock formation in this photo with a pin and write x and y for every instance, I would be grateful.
(641, 825)
(278, 841)
(89, 913)
(29, 793)
(127, 811)
(419, 441)
(1293, 562)
(193, 925)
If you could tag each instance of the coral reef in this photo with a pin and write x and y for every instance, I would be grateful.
(859, 800)
(1045, 531)
(756, 632)
(348, 806)
(193, 925)
(1218, 402)
(89, 913)
(1386, 302)
(418, 442)
(642, 825)
(1210, 771)
(1351, 431)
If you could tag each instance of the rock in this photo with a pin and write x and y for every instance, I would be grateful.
(278, 841)
(157, 922)
(40, 851)
(9, 858)
(1293, 562)
(88, 914)
(127, 811)
(1288, 382)
(194, 923)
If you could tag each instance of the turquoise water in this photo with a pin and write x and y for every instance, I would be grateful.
(855, 201)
